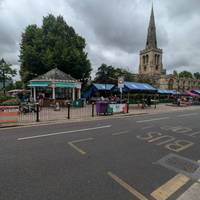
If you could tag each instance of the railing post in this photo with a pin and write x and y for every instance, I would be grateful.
(37, 112)
(68, 106)
(92, 109)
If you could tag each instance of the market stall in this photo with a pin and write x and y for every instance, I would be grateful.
(98, 90)
(55, 85)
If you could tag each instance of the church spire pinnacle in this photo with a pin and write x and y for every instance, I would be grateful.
(151, 37)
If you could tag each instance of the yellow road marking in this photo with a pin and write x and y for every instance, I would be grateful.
(170, 187)
(120, 133)
(72, 144)
(127, 187)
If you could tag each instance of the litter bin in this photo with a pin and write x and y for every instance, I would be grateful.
(101, 107)
(109, 109)
(77, 103)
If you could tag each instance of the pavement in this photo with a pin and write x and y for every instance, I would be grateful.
(49, 116)
(147, 157)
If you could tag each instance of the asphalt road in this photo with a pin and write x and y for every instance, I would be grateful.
(115, 159)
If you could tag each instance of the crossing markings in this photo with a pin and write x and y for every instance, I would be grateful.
(120, 133)
(127, 187)
(72, 144)
(151, 120)
(187, 115)
(170, 187)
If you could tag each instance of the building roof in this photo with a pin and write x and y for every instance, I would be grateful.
(162, 91)
(55, 75)
(139, 86)
(151, 37)
(102, 86)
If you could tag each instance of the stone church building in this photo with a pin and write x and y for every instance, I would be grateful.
(151, 65)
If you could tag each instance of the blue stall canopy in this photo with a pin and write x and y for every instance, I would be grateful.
(139, 86)
(162, 91)
(196, 91)
(103, 86)
(98, 87)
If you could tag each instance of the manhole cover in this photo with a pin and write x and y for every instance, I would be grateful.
(181, 165)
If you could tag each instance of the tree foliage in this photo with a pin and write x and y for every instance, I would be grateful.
(175, 73)
(6, 71)
(185, 74)
(55, 44)
(109, 74)
(197, 75)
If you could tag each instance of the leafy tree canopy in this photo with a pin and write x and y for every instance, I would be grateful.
(185, 74)
(197, 75)
(6, 71)
(55, 44)
(109, 74)
(175, 73)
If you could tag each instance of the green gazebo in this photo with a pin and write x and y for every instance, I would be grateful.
(55, 85)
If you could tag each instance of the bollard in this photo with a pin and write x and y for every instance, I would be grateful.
(127, 107)
(92, 109)
(37, 112)
(68, 117)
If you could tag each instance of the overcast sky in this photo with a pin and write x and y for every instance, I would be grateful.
(115, 30)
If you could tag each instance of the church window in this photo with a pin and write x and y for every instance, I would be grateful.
(171, 84)
(145, 68)
(143, 58)
(147, 59)
(157, 67)
(158, 58)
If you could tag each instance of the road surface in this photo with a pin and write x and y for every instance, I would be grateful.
(143, 157)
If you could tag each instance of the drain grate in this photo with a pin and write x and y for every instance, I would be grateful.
(181, 165)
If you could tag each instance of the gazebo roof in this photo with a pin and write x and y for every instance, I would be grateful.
(56, 75)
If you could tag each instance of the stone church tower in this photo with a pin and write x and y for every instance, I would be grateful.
(151, 56)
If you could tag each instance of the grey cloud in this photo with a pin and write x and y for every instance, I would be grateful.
(120, 24)
(115, 30)
(182, 10)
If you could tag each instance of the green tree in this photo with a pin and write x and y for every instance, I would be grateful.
(105, 74)
(197, 75)
(185, 74)
(109, 74)
(55, 44)
(175, 73)
(6, 73)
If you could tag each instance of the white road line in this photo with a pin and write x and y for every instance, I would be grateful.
(120, 133)
(65, 132)
(189, 114)
(147, 127)
(151, 120)
(193, 134)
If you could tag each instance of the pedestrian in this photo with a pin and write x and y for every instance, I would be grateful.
(178, 101)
